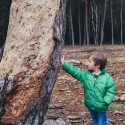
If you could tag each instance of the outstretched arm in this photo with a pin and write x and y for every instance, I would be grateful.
(72, 70)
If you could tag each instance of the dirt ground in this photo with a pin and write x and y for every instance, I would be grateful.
(67, 97)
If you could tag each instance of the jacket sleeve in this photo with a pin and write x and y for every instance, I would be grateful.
(110, 91)
(74, 71)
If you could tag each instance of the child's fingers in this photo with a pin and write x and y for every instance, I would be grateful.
(62, 59)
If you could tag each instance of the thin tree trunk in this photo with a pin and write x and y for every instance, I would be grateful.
(69, 26)
(93, 21)
(97, 20)
(112, 26)
(32, 59)
(103, 22)
(121, 15)
(86, 17)
(89, 19)
(84, 35)
(100, 17)
(79, 20)
(85, 25)
(70, 36)
(72, 29)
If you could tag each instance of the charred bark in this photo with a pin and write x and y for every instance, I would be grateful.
(7, 87)
(37, 84)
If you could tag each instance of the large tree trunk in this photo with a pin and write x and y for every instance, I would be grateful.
(31, 55)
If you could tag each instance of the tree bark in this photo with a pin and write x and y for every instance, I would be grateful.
(31, 60)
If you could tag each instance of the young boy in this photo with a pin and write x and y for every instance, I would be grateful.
(99, 87)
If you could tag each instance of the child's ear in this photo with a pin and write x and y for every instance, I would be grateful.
(98, 66)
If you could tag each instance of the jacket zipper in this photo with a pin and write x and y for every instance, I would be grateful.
(94, 90)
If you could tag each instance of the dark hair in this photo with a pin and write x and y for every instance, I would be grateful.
(99, 58)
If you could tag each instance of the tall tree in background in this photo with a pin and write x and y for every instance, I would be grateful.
(96, 11)
(121, 16)
(79, 21)
(72, 29)
(112, 26)
(86, 22)
(103, 20)
(93, 21)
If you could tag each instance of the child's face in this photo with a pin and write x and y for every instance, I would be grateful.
(91, 65)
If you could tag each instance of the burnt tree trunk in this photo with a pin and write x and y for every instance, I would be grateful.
(31, 60)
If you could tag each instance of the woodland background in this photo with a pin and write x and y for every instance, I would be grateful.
(88, 21)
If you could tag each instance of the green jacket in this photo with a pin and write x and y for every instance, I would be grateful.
(99, 92)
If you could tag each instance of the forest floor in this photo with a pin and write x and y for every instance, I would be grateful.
(67, 97)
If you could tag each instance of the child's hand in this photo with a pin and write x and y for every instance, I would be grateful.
(62, 59)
